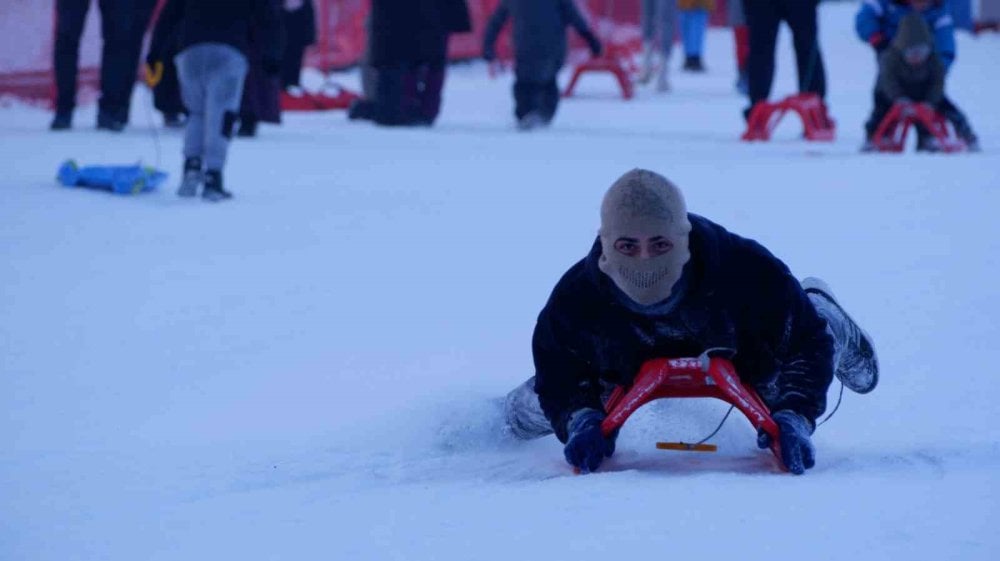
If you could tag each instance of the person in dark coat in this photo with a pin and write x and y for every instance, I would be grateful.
(763, 17)
(166, 85)
(214, 42)
(298, 19)
(262, 89)
(123, 25)
(662, 283)
(539, 52)
(408, 50)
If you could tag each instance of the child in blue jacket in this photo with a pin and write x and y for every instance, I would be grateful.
(877, 23)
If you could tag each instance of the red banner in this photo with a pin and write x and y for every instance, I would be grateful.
(26, 26)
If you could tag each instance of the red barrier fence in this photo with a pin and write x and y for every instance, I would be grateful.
(26, 29)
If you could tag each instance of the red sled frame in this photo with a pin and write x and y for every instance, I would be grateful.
(617, 60)
(705, 376)
(765, 116)
(890, 136)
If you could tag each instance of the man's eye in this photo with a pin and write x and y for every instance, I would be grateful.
(627, 248)
(663, 247)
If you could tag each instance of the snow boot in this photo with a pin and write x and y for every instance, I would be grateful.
(662, 79)
(174, 120)
(855, 362)
(531, 121)
(62, 122)
(191, 179)
(523, 413)
(108, 122)
(693, 64)
(213, 187)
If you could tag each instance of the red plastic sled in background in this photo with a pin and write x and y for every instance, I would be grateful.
(704, 376)
(333, 96)
(765, 116)
(890, 136)
(616, 60)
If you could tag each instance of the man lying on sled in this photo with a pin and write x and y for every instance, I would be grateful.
(660, 282)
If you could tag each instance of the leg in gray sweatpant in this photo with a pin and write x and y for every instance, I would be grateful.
(211, 77)
(660, 15)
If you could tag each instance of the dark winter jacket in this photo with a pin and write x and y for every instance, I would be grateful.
(877, 21)
(218, 21)
(736, 295)
(539, 35)
(897, 78)
(406, 32)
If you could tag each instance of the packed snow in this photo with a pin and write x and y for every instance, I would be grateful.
(311, 371)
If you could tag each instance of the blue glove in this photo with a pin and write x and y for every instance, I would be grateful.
(586, 446)
(797, 451)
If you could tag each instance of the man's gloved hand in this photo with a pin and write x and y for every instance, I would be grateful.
(878, 41)
(797, 451)
(586, 447)
(594, 44)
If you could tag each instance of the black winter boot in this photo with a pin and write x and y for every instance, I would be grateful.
(213, 187)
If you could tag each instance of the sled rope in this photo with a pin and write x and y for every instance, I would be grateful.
(840, 397)
(717, 429)
(152, 126)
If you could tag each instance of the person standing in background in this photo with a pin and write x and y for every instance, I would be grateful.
(659, 26)
(123, 25)
(763, 18)
(214, 38)
(741, 39)
(298, 19)
(694, 24)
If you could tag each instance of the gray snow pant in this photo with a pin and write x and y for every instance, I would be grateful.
(660, 15)
(211, 76)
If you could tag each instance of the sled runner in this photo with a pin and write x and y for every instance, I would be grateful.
(704, 376)
(765, 116)
(332, 96)
(617, 60)
(890, 136)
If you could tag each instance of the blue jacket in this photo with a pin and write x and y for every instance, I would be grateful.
(733, 293)
(881, 18)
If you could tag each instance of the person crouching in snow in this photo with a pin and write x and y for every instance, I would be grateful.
(212, 64)
(539, 52)
(910, 71)
(879, 21)
(660, 282)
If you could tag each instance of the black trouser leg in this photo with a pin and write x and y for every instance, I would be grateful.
(950, 111)
(70, 17)
(524, 97)
(123, 24)
(291, 64)
(388, 107)
(882, 107)
(167, 94)
(550, 99)
(763, 18)
(801, 17)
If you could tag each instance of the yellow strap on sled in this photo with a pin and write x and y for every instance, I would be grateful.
(154, 73)
(685, 447)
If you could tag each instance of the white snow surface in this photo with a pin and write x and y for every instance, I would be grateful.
(310, 371)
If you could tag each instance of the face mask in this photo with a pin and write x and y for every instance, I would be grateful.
(646, 281)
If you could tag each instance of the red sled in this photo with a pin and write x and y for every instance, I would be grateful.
(765, 116)
(617, 60)
(705, 376)
(340, 99)
(890, 136)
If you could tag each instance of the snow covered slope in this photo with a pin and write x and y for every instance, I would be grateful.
(310, 371)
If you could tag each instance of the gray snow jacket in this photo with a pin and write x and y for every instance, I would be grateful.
(539, 35)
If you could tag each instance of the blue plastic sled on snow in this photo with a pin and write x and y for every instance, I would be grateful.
(123, 180)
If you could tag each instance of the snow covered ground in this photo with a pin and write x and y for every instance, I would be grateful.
(309, 372)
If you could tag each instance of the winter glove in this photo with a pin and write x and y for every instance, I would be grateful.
(878, 41)
(586, 446)
(594, 44)
(153, 73)
(797, 452)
